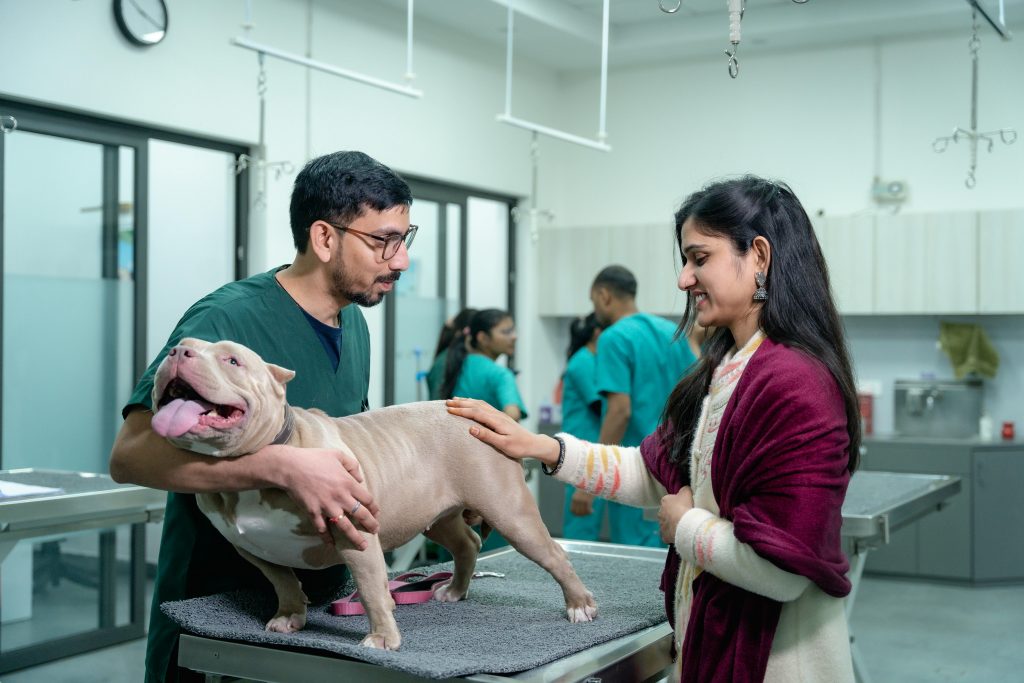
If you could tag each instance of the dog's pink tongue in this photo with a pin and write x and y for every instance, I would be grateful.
(177, 417)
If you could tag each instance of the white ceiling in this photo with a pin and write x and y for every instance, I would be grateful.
(566, 34)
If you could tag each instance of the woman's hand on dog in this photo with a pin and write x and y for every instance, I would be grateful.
(502, 432)
(327, 483)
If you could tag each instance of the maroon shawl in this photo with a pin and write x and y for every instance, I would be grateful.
(779, 474)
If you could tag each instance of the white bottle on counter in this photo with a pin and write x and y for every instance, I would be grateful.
(986, 428)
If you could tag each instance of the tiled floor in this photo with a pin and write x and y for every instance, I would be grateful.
(909, 632)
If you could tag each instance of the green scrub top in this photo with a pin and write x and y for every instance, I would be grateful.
(435, 377)
(195, 559)
(579, 392)
(484, 379)
(638, 356)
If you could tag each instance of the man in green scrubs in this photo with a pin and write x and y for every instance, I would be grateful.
(350, 224)
(638, 363)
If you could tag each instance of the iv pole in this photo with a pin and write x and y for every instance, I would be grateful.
(1007, 135)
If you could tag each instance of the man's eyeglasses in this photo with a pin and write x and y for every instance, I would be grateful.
(389, 244)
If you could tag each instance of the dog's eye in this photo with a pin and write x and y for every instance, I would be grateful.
(232, 360)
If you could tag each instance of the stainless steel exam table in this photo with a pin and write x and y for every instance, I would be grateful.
(85, 501)
(877, 503)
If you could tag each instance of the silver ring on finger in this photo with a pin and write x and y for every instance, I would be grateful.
(355, 508)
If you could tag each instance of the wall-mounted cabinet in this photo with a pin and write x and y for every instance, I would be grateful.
(1000, 276)
(926, 263)
(848, 243)
(894, 264)
(569, 258)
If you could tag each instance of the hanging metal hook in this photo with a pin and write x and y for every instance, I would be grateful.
(734, 64)
(8, 124)
(667, 10)
(970, 181)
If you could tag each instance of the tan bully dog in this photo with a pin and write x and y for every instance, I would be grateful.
(420, 463)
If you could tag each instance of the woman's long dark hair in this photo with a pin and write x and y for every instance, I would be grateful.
(581, 331)
(482, 321)
(799, 311)
(448, 332)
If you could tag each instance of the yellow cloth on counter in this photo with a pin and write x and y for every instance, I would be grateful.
(969, 349)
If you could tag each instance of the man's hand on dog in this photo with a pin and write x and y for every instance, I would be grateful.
(328, 485)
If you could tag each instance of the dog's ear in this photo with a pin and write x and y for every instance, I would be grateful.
(282, 375)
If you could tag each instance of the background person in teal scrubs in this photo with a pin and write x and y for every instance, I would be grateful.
(350, 225)
(639, 361)
(581, 417)
(471, 370)
(452, 327)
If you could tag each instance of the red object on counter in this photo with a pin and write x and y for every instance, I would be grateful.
(867, 413)
(1008, 430)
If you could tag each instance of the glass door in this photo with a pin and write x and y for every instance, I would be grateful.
(424, 297)
(96, 238)
(68, 300)
(462, 257)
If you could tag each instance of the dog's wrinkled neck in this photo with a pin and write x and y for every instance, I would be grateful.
(286, 429)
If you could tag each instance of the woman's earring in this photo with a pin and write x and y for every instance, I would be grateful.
(761, 294)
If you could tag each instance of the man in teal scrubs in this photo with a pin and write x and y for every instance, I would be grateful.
(350, 224)
(638, 363)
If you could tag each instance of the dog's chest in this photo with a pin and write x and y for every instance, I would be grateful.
(249, 522)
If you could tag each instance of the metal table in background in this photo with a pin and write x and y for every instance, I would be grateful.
(878, 503)
(86, 501)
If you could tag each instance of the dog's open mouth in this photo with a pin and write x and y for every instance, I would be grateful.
(181, 408)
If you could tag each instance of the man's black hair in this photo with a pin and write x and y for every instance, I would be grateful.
(338, 188)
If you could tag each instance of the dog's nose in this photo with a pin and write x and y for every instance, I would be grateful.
(185, 351)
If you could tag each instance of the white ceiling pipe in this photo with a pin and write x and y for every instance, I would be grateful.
(507, 117)
(327, 68)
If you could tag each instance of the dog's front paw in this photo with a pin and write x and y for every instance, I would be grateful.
(381, 641)
(445, 593)
(286, 623)
(585, 611)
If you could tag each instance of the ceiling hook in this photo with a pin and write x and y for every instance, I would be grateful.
(734, 64)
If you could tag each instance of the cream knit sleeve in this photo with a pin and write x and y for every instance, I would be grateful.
(708, 541)
(612, 472)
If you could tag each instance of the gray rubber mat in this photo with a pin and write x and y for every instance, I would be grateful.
(505, 625)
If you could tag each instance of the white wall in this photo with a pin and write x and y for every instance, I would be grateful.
(886, 349)
(805, 117)
(70, 55)
(808, 118)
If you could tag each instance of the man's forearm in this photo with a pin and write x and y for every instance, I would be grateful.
(142, 457)
(616, 419)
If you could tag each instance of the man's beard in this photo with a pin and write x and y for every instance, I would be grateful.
(342, 287)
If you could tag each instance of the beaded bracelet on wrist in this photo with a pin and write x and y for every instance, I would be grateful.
(561, 458)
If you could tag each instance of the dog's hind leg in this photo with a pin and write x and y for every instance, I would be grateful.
(371, 577)
(291, 601)
(518, 520)
(462, 542)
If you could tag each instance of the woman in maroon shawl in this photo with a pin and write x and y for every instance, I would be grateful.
(751, 463)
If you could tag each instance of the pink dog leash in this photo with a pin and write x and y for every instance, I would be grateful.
(403, 592)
